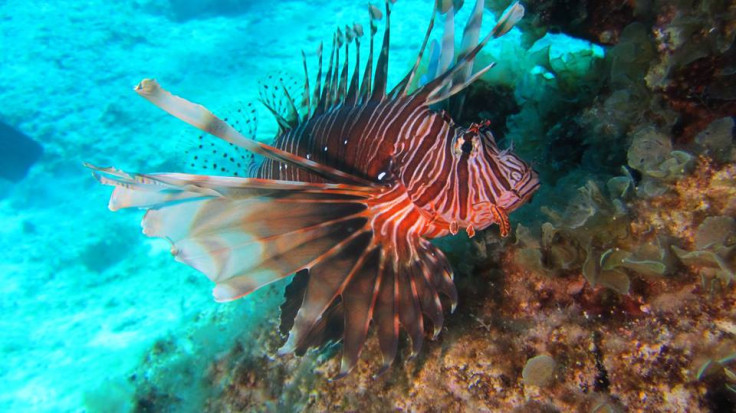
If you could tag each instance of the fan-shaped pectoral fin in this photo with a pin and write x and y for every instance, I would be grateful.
(359, 246)
(387, 276)
(244, 233)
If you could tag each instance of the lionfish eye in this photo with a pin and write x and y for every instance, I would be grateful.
(515, 176)
(466, 144)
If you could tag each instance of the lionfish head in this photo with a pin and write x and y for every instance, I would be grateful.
(498, 181)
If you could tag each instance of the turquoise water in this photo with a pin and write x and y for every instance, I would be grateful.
(87, 301)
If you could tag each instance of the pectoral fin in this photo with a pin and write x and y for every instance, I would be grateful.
(356, 248)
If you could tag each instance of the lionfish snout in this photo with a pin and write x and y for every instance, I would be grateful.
(528, 189)
(522, 190)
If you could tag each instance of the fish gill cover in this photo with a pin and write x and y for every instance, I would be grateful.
(613, 291)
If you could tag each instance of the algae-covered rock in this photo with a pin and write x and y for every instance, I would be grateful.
(648, 150)
(597, 21)
(631, 57)
(616, 280)
(714, 231)
(719, 371)
(620, 186)
(651, 153)
(714, 253)
(712, 266)
(717, 140)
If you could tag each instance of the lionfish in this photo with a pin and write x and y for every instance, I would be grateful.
(347, 197)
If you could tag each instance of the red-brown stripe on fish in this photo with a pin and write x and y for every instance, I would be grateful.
(351, 190)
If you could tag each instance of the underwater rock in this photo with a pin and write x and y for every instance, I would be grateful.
(632, 56)
(702, 92)
(652, 341)
(714, 256)
(593, 237)
(719, 372)
(649, 149)
(19, 153)
(697, 57)
(597, 21)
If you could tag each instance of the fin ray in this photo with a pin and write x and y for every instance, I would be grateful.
(327, 280)
(359, 301)
(386, 315)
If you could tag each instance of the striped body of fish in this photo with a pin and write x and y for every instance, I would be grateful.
(347, 197)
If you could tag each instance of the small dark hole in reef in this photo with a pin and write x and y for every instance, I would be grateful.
(602, 383)
(719, 398)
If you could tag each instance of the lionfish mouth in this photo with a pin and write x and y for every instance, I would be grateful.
(529, 188)
(527, 192)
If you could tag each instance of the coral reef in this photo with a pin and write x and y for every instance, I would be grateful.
(537, 335)
(597, 21)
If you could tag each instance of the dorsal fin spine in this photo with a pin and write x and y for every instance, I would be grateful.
(352, 97)
(365, 87)
(201, 118)
(342, 88)
(325, 93)
(282, 122)
(318, 86)
(292, 115)
(379, 88)
(335, 73)
(464, 77)
(447, 51)
(402, 88)
(306, 101)
(433, 90)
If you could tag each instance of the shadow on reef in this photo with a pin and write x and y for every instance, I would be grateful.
(616, 291)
